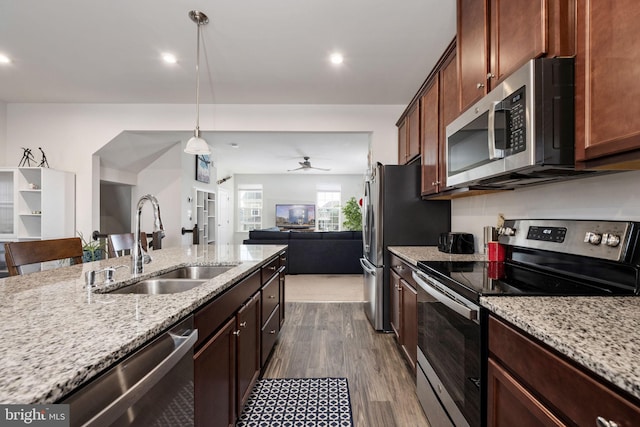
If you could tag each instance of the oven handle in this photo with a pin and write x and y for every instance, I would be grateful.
(432, 288)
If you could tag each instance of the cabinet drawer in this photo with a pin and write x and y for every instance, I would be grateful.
(402, 269)
(270, 333)
(270, 269)
(572, 393)
(270, 297)
(209, 318)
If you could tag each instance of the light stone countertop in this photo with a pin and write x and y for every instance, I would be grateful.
(56, 334)
(413, 254)
(601, 334)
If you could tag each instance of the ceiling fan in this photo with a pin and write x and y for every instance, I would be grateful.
(307, 165)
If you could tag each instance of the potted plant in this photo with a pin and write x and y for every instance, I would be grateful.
(92, 250)
(352, 215)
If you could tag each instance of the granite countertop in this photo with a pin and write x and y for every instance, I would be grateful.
(413, 254)
(600, 333)
(56, 334)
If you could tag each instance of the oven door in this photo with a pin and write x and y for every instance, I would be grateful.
(450, 349)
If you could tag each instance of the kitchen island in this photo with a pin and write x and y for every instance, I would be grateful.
(57, 334)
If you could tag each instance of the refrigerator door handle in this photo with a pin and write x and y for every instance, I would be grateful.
(366, 265)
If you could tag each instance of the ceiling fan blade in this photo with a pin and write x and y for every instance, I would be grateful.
(296, 169)
(320, 169)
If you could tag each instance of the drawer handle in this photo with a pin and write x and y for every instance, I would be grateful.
(601, 422)
(243, 324)
(272, 297)
(272, 268)
(272, 332)
(237, 333)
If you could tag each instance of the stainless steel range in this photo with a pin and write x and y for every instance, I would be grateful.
(543, 257)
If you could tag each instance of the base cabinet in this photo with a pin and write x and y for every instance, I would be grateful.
(404, 309)
(529, 384)
(234, 342)
(215, 379)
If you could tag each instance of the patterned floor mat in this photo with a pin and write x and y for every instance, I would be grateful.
(298, 402)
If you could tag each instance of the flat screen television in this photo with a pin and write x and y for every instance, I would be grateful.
(292, 216)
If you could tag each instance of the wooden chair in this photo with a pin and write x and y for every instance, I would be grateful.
(121, 244)
(19, 254)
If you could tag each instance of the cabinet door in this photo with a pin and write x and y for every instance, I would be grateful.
(409, 313)
(413, 135)
(449, 110)
(607, 85)
(248, 333)
(510, 404)
(402, 141)
(394, 300)
(472, 30)
(215, 379)
(518, 33)
(430, 139)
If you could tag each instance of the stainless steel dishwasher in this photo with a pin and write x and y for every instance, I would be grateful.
(152, 387)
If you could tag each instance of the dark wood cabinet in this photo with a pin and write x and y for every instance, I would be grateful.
(607, 88)
(395, 296)
(529, 384)
(215, 378)
(439, 108)
(234, 339)
(409, 313)
(404, 309)
(248, 349)
(496, 37)
(409, 135)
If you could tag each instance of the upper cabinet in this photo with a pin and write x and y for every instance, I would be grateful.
(439, 107)
(409, 135)
(496, 37)
(607, 88)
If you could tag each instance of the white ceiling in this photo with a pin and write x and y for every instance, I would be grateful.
(254, 52)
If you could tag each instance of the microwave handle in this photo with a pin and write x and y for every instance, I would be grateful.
(494, 153)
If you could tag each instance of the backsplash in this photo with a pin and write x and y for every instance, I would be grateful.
(613, 196)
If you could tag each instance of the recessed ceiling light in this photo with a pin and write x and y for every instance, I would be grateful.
(336, 58)
(169, 58)
(234, 145)
(4, 59)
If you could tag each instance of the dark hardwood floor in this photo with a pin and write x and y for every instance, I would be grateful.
(336, 340)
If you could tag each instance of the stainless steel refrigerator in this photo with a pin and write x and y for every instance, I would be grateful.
(394, 215)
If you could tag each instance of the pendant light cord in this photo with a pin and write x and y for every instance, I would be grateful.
(198, 82)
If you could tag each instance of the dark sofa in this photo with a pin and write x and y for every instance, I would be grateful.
(325, 252)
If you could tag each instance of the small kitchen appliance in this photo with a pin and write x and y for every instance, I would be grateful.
(456, 243)
(542, 257)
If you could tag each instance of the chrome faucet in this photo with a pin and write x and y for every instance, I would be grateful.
(138, 255)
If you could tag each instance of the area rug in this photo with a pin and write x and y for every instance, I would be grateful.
(298, 402)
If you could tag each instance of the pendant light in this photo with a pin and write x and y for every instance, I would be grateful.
(197, 145)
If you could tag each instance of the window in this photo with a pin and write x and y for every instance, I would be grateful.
(249, 207)
(328, 212)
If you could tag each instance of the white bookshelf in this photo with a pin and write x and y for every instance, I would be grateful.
(204, 207)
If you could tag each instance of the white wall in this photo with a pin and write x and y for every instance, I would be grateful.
(3, 133)
(71, 133)
(294, 188)
(611, 196)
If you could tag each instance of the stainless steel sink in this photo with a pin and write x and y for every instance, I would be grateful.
(197, 272)
(179, 280)
(159, 286)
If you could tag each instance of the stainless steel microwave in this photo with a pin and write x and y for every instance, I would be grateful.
(520, 133)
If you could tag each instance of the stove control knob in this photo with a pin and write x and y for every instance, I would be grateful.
(592, 238)
(508, 231)
(611, 240)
